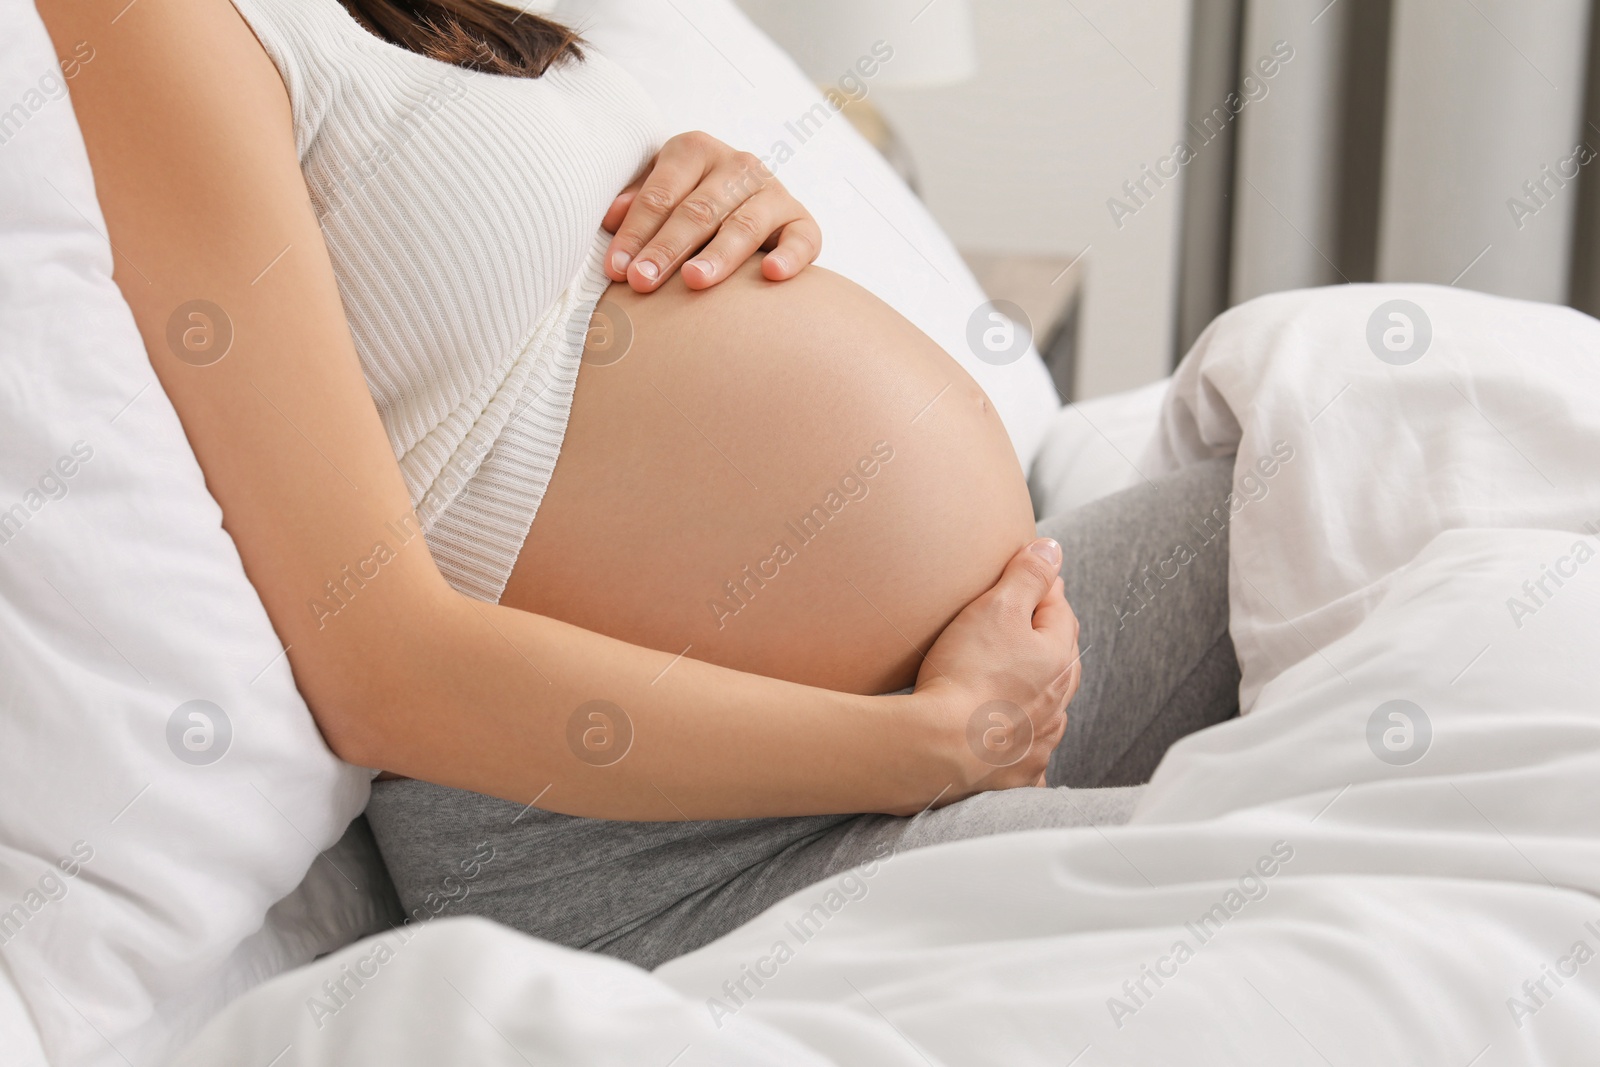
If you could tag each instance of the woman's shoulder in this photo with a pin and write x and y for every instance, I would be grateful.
(165, 51)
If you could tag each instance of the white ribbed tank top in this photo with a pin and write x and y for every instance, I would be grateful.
(462, 213)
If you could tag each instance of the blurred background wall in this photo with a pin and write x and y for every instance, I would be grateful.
(1138, 166)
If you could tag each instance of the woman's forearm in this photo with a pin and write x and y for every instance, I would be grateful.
(520, 706)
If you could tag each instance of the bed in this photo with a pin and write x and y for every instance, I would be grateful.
(1392, 856)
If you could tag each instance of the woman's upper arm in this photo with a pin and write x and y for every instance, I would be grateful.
(189, 133)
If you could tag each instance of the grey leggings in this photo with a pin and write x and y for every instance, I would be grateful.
(1145, 570)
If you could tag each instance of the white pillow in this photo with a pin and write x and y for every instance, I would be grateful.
(708, 67)
(1092, 447)
(130, 867)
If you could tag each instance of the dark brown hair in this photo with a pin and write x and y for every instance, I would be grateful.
(475, 34)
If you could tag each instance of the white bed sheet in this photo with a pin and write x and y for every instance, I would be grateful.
(1336, 903)
(1093, 448)
(20, 1044)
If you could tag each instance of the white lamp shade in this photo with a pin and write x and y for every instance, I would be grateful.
(931, 40)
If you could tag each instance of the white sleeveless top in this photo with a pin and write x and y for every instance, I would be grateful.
(462, 213)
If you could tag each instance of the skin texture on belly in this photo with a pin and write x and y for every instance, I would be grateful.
(786, 478)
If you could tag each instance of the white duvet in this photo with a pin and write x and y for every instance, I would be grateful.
(1391, 858)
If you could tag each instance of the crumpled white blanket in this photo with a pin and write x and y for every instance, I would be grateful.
(1393, 857)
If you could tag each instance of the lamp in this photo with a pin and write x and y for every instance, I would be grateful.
(930, 43)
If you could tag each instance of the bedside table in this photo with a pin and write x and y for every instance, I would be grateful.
(1048, 290)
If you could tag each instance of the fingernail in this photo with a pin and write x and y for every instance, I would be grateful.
(1046, 549)
(620, 261)
(706, 268)
(777, 261)
(647, 270)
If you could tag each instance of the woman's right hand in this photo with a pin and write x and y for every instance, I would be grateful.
(1000, 677)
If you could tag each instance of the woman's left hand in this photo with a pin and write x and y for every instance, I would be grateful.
(701, 198)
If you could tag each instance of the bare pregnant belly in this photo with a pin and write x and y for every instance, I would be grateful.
(783, 478)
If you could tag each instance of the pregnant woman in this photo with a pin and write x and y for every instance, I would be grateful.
(652, 614)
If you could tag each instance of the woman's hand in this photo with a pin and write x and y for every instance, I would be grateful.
(1001, 675)
(701, 195)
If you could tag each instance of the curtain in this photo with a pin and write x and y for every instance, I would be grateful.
(1446, 141)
